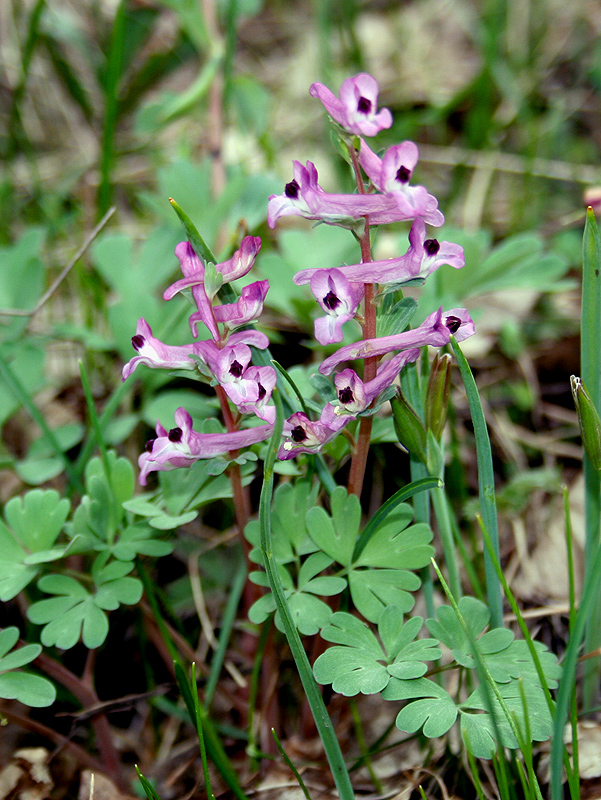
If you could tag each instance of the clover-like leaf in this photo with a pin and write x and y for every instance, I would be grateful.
(309, 613)
(139, 539)
(448, 629)
(336, 535)
(373, 590)
(35, 522)
(290, 538)
(435, 709)
(37, 518)
(515, 661)
(395, 545)
(75, 611)
(32, 690)
(361, 663)
(480, 732)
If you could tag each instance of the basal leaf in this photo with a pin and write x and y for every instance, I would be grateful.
(8, 639)
(32, 690)
(37, 518)
(516, 662)
(394, 545)
(448, 629)
(347, 630)
(336, 535)
(18, 658)
(14, 573)
(434, 709)
(350, 671)
(373, 590)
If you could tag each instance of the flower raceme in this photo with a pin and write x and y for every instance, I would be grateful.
(356, 110)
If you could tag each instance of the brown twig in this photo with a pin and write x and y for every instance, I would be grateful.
(18, 312)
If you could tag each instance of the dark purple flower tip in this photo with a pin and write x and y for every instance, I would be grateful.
(298, 434)
(331, 301)
(403, 174)
(149, 445)
(346, 395)
(236, 369)
(453, 323)
(137, 342)
(175, 435)
(364, 105)
(431, 246)
(292, 189)
(262, 391)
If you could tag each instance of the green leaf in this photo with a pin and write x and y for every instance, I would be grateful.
(336, 535)
(166, 522)
(373, 590)
(435, 710)
(139, 540)
(37, 518)
(395, 545)
(395, 318)
(361, 663)
(478, 729)
(32, 690)
(14, 573)
(29, 689)
(515, 661)
(449, 630)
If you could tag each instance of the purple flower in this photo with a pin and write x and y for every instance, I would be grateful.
(194, 275)
(423, 257)
(392, 174)
(182, 446)
(304, 197)
(354, 396)
(357, 108)
(259, 383)
(338, 298)
(306, 436)
(436, 330)
(248, 308)
(155, 354)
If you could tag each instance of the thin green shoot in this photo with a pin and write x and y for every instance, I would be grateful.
(290, 765)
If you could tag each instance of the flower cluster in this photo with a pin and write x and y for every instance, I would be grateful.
(224, 359)
(344, 292)
(341, 291)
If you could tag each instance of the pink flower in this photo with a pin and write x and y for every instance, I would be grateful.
(423, 257)
(259, 384)
(194, 276)
(304, 197)
(182, 446)
(436, 330)
(392, 174)
(155, 354)
(306, 436)
(357, 108)
(338, 298)
(354, 396)
(247, 309)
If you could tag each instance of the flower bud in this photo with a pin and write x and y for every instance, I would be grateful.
(588, 419)
(409, 428)
(437, 396)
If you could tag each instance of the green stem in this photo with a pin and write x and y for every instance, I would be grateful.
(314, 698)
(590, 372)
(486, 486)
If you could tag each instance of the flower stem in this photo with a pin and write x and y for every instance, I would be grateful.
(359, 460)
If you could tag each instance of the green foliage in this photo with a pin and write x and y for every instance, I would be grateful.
(483, 719)
(35, 521)
(362, 663)
(75, 611)
(32, 690)
(377, 577)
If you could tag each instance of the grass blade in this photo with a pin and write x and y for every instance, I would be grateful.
(314, 698)
(486, 484)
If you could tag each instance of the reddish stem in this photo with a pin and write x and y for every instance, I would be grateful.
(359, 460)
